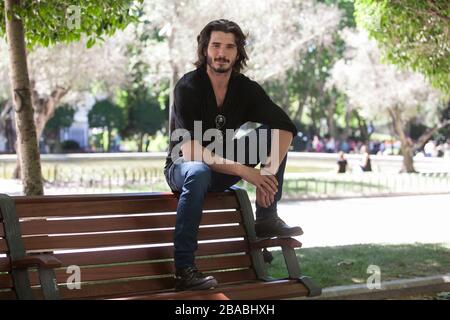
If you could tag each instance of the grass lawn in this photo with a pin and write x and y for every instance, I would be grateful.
(346, 265)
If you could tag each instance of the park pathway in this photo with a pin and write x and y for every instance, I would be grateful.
(389, 220)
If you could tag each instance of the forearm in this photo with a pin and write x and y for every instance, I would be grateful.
(193, 151)
(281, 140)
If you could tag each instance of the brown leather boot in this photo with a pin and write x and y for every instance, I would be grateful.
(275, 227)
(191, 279)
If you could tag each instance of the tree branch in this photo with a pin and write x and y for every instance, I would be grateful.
(423, 139)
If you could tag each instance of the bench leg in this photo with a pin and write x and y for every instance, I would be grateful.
(293, 268)
(17, 251)
(257, 256)
(15, 245)
(313, 289)
(48, 284)
(249, 224)
(22, 284)
(291, 261)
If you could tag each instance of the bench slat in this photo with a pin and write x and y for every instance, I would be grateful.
(7, 295)
(82, 206)
(95, 208)
(133, 287)
(234, 276)
(118, 272)
(3, 246)
(51, 243)
(134, 255)
(143, 254)
(266, 290)
(34, 227)
(5, 264)
(94, 197)
(279, 289)
(137, 254)
(6, 281)
(103, 290)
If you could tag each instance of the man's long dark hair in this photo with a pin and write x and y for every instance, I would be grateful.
(224, 26)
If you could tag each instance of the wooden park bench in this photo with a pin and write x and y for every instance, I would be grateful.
(120, 246)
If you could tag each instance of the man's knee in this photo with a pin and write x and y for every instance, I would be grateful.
(199, 172)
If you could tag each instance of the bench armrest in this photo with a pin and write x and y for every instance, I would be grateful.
(37, 260)
(276, 242)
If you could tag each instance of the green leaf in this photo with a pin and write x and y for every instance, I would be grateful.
(90, 42)
(412, 34)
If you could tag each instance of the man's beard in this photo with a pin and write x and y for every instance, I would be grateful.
(209, 61)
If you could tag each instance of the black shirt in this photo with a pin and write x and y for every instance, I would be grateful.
(368, 166)
(245, 101)
(342, 163)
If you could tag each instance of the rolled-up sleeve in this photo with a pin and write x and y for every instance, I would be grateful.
(263, 110)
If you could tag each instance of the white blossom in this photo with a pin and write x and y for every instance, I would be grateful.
(375, 86)
(277, 31)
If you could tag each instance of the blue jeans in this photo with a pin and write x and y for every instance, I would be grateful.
(192, 180)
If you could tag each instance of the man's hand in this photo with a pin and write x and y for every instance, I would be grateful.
(262, 200)
(267, 184)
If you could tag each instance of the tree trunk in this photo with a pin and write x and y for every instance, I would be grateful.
(348, 116)
(330, 118)
(17, 174)
(299, 113)
(44, 110)
(362, 127)
(315, 123)
(140, 141)
(408, 160)
(58, 147)
(28, 150)
(285, 103)
(423, 139)
(406, 143)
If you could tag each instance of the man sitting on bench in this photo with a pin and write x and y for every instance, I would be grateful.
(210, 103)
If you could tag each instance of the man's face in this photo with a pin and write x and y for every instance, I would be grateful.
(221, 52)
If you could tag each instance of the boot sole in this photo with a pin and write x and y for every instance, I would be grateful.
(269, 236)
